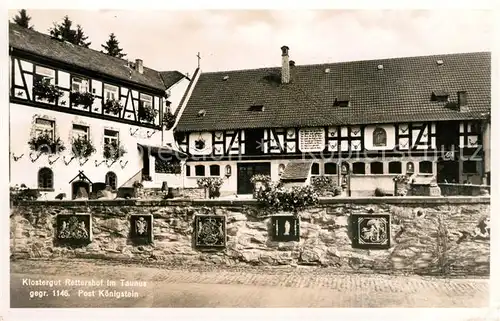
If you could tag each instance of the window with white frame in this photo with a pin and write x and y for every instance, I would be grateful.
(80, 131)
(45, 127)
(145, 101)
(110, 92)
(45, 74)
(111, 137)
(79, 84)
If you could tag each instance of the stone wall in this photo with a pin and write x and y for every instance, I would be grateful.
(434, 236)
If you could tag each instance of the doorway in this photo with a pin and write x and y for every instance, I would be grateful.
(75, 186)
(448, 171)
(245, 173)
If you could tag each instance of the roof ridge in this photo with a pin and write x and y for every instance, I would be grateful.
(82, 47)
(354, 61)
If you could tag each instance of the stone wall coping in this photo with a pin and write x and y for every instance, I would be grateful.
(240, 202)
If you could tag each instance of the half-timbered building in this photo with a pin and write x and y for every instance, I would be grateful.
(365, 120)
(63, 95)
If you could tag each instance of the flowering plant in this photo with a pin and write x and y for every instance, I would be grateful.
(277, 198)
(403, 179)
(147, 113)
(45, 90)
(85, 99)
(83, 147)
(210, 182)
(113, 106)
(260, 178)
(168, 120)
(46, 144)
(113, 151)
(23, 193)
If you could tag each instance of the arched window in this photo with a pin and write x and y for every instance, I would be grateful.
(425, 167)
(330, 168)
(111, 180)
(377, 168)
(199, 170)
(214, 170)
(379, 137)
(358, 168)
(45, 178)
(315, 169)
(395, 168)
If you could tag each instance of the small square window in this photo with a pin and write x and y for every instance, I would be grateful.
(199, 170)
(330, 168)
(214, 170)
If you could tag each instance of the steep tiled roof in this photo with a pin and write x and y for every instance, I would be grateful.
(296, 171)
(44, 45)
(400, 91)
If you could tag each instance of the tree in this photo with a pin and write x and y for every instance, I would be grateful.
(22, 19)
(112, 47)
(64, 31)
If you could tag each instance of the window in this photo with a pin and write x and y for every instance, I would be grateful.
(395, 168)
(111, 180)
(214, 170)
(358, 168)
(379, 137)
(199, 170)
(256, 108)
(79, 85)
(330, 168)
(470, 167)
(377, 168)
(315, 169)
(110, 92)
(188, 170)
(425, 167)
(110, 136)
(44, 74)
(145, 101)
(45, 178)
(80, 131)
(45, 127)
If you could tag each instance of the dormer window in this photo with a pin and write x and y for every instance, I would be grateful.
(341, 101)
(256, 108)
(439, 95)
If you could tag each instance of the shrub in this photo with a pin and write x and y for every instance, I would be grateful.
(137, 184)
(260, 178)
(324, 184)
(276, 198)
(22, 193)
(379, 192)
(210, 182)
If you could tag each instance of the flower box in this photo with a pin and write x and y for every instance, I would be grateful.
(83, 147)
(113, 106)
(168, 120)
(113, 151)
(46, 145)
(45, 90)
(85, 99)
(147, 114)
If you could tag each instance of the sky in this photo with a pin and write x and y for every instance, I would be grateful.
(243, 39)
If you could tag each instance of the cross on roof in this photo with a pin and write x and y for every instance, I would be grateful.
(199, 58)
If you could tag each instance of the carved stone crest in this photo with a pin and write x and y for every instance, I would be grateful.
(371, 231)
(74, 229)
(141, 228)
(210, 231)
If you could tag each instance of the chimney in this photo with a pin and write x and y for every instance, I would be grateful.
(285, 66)
(139, 66)
(293, 71)
(462, 101)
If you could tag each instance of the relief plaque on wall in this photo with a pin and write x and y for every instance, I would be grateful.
(210, 231)
(74, 229)
(285, 228)
(141, 228)
(371, 231)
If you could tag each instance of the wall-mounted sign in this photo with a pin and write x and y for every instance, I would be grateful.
(285, 228)
(74, 229)
(210, 231)
(312, 139)
(371, 231)
(141, 228)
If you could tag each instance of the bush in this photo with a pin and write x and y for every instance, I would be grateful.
(379, 192)
(22, 193)
(45, 144)
(168, 120)
(113, 151)
(84, 99)
(276, 198)
(324, 184)
(83, 147)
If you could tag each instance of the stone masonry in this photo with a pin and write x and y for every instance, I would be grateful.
(432, 236)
